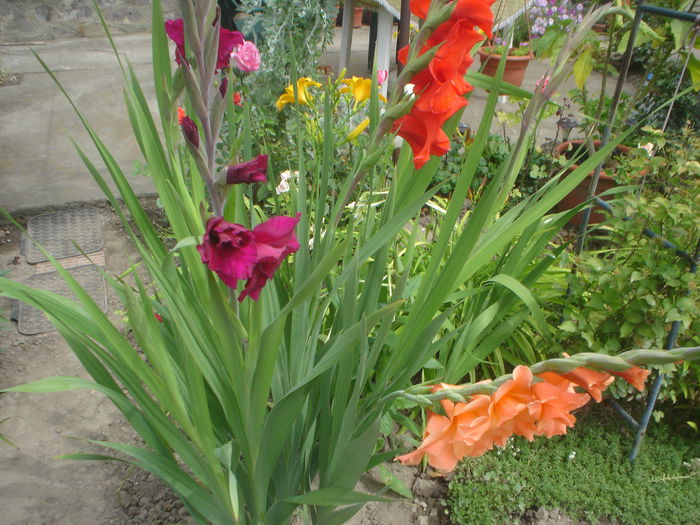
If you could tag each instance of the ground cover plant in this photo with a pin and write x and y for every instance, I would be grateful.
(586, 474)
(269, 336)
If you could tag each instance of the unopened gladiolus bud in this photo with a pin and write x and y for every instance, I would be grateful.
(189, 129)
(237, 98)
(246, 56)
(382, 75)
(223, 87)
(254, 170)
(180, 115)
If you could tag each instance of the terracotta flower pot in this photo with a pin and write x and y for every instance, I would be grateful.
(357, 17)
(579, 193)
(514, 72)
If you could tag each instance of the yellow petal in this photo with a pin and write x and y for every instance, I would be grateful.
(358, 129)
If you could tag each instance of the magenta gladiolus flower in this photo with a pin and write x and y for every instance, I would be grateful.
(247, 57)
(175, 29)
(274, 240)
(233, 252)
(228, 40)
(229, 250)
(254, 170)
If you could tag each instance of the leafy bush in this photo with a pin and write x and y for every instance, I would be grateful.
(627, 293)
(586, 474)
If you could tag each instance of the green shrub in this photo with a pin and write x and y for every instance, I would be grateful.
(626, 293)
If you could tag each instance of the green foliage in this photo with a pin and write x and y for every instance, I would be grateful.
(288, 28)
(586, 474)
(627, 293)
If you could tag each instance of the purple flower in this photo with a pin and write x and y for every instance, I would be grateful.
(253, 170)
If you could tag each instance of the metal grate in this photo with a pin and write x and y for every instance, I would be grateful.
(63, 234)
(32, 321)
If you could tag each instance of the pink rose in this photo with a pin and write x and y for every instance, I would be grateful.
(246, 57)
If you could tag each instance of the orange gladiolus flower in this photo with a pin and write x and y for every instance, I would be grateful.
(591, 381)
(557, 398)
(440, 87)
(635, 376)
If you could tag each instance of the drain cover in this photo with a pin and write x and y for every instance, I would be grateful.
(59, 233)
(32, 321)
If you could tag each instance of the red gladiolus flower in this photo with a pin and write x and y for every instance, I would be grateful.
(229, 250)
(237, 98)
(254, 170)
(158, 317)
(175, 30)
(441, 86)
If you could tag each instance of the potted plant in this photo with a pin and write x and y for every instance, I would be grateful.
(517, 58)
(608, 176)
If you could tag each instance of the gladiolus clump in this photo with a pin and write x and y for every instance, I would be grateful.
(525, 405)
(440, 87)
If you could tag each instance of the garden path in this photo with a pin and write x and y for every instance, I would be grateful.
(39, 167)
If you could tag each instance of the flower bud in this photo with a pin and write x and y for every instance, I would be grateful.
(189, 129)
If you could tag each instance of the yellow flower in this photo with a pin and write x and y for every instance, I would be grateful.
(302, 89)
(361, 89)
(359, 129)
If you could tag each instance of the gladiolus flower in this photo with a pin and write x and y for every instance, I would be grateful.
(246, 56)
(634, 375)
(441, 86)
(382, 75)
(237, 98)
(158, 317)
(233, 252)
(274, 240)
(303, 85)
(180, 115)
(175, 30)
(229, 250)
(591, 381)
(518, 407)
(254, 170)
(189, 129)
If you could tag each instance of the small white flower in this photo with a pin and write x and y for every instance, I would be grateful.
(572, 455)
(282, 187)
(648, 147)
